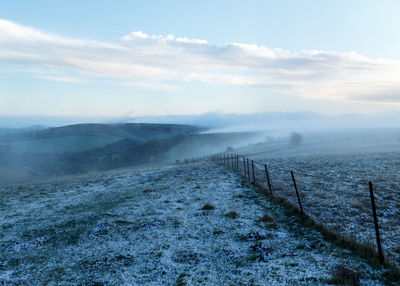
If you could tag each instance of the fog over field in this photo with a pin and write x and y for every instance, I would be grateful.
(199, 142)
(34, 150)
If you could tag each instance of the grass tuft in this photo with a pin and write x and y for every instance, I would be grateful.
(217, 232)
(181, 281)
(208, 207)
(232, 215)
(266, 218)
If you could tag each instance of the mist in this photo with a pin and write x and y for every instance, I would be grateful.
(40, 147)
(199, 142)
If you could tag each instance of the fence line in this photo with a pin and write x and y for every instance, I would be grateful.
(276, 180)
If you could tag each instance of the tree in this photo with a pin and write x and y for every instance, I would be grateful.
(295, 138)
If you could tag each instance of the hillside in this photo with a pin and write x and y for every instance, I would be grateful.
(81, 148)
(39, 152)
(188, 225)
(198, 145)
(82, 137)
(354, 141)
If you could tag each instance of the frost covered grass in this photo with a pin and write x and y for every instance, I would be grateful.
(334, 191)
(192, 225)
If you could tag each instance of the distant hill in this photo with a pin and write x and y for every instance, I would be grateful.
(130, 152)
(138, 131)
(83, 137)
(82, 148)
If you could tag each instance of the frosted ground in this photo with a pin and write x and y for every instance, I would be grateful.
(334, 190)
(191, 225)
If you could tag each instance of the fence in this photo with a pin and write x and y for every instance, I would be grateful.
(345, 207)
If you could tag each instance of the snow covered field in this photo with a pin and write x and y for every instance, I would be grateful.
(187, 225)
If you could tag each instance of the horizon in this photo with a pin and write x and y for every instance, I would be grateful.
(278, 122)
(147, 60)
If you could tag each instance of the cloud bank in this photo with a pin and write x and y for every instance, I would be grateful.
(167, 62)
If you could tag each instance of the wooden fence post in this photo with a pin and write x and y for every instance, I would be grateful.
(252, 166)
(378, 239)
(269, 182)
(237, 162)
(297, 192)
(248, 170)
(244, 166)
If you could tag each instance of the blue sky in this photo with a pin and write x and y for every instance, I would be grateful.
(138, 58)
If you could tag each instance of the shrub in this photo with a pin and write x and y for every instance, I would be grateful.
(229, 149)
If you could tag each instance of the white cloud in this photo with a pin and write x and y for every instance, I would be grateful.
(161, 61)
(191, 41)
(258, 51)
(152, 86)
(133, 35)
(61, 78)
(139, 35)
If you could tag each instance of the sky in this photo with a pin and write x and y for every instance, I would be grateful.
(119, 59)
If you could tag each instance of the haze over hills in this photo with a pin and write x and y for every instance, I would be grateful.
(41, 152)
(47, 151)
(292, 121)
(80, 137)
